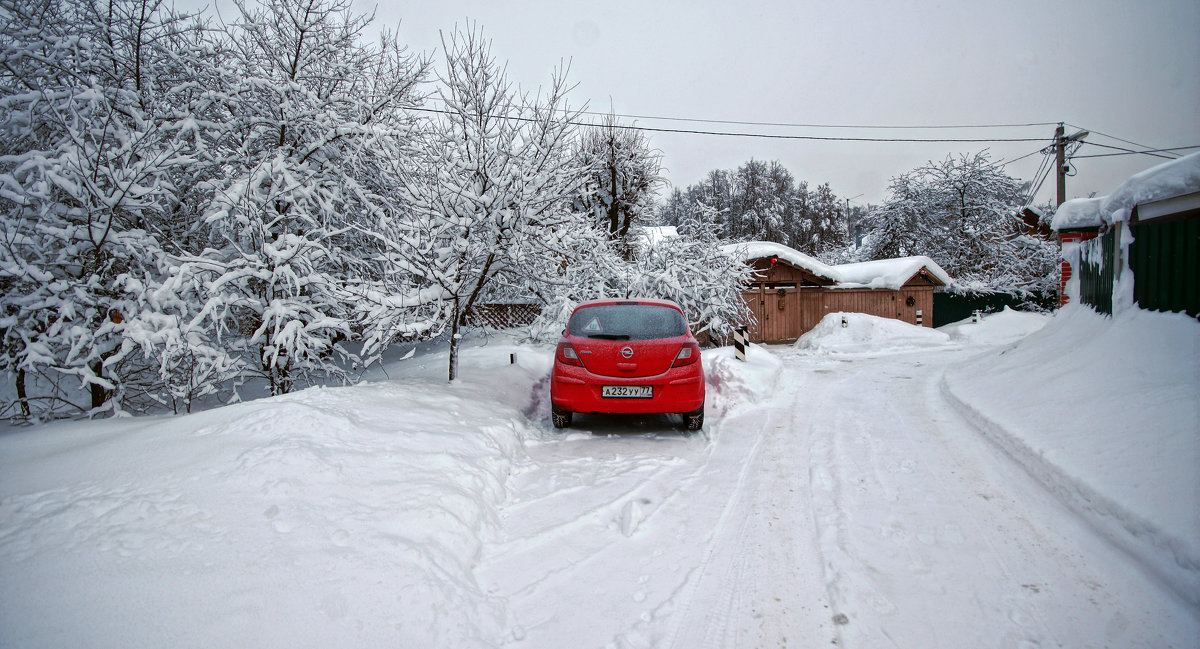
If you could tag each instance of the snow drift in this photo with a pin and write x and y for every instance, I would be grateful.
(1103, 412)
(862, 333)
(327, 517)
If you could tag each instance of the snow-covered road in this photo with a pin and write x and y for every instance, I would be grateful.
(852, 506)
(845, 492)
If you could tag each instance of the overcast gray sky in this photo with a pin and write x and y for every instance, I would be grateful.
(1122, 68)
(1127, 69)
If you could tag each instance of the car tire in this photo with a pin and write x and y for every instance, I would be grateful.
(560, 418)
(695, 419)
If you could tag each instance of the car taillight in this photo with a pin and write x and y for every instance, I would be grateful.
(688, 354)
(566, 355)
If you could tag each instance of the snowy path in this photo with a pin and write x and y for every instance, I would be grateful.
(854, 508)
(832, 500)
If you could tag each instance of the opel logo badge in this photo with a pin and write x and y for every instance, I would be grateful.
(627, 352)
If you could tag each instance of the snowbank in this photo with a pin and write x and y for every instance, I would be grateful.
(1104, 412)
(864, 333)
(1005, 326)
(732, 383)
(329, 517)
(345, 517)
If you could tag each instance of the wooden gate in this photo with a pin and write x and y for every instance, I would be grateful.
(779, 312)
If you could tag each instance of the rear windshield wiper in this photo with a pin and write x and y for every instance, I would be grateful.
(610, 336)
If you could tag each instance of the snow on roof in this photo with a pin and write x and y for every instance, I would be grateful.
(1079, 213)
(653, 234)
(762, 249)
(1173, 178)
(883, 273)
(889, 273)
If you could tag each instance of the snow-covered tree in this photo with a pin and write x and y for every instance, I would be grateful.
(310, 109)
(92, 146)
(825, 236)
(486, 192)
(691, 269)
(621, 175)
(764, 208)
(961, 212)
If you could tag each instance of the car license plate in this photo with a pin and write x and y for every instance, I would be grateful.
(627, 391)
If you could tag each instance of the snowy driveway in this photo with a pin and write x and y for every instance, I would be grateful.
(852, 507)
(834, 498)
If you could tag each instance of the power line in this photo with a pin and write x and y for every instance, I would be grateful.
(1040, 176)
(1129, 152)
(799, 125)
(1113, 137)
(770, 136)
(1027, 155)
(1152, 152)
(824, 138)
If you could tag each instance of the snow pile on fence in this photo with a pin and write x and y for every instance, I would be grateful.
(1103, 411)
(1004, 326)
(849, 333)
(1169, 179)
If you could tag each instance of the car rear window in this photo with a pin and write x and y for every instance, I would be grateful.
(627, 322)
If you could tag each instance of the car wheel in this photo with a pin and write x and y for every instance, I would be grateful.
(695, 419)
(560, 418)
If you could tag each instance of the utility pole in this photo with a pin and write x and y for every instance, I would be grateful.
(1060, 158)
(1060, 162)
(851, 226)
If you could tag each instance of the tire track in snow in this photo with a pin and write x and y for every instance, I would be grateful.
(868, 471)
(583, 516)
(700, 615)
(758, 583)
(586, 531)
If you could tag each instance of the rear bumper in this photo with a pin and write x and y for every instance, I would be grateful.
(679, 389)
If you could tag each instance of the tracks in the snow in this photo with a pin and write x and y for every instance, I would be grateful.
(853, 507)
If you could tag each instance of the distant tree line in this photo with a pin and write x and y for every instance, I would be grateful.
(762, 201)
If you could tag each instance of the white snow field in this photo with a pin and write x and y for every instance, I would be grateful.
(1022, 482)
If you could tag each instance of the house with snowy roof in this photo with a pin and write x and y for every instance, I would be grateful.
(1139, 246)
(792, 291)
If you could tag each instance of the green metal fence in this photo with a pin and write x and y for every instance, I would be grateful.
(1165, 260)
(1098, 261)
(953, 307)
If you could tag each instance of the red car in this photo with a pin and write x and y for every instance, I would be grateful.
(627, 356)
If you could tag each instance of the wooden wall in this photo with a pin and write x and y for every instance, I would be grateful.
(784, 314)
